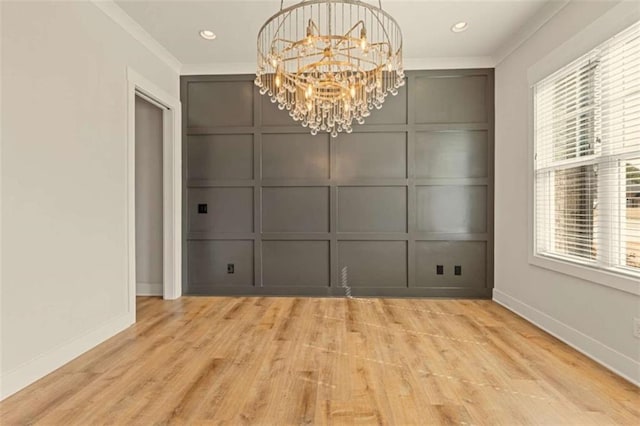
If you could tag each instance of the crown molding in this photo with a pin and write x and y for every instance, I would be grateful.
(120, 17)
(617, 19)
(439, 63)
(448, 63)
(548, 11)
(219, 68)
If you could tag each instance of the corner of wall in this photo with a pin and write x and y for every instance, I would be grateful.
(546, 13)
(119, 16)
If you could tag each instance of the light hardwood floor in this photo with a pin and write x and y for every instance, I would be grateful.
(281, 361)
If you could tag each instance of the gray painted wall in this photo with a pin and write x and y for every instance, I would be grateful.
(407, 191)
(148, 196)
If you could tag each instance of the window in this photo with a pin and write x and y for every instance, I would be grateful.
(587, 158)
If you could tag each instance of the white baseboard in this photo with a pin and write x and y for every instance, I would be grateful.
(27, 373)
(149, 289)
(602, 354)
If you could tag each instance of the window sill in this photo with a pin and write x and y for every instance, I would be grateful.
(619, 281)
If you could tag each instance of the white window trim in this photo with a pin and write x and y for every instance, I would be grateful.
(611, 23)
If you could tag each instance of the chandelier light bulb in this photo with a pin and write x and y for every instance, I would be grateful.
(363, 39)
(309, 33)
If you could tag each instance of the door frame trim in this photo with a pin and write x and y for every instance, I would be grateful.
(172, 186)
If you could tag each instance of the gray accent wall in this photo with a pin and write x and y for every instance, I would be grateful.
(271, 210)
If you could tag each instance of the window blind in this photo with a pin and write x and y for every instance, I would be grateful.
(587, 158)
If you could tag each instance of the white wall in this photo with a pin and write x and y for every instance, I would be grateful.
(148, 199)
(64, 133)
(591, 317)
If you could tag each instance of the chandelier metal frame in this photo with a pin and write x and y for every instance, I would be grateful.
(330, 62)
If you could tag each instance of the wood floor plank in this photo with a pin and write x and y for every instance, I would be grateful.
(282, 361)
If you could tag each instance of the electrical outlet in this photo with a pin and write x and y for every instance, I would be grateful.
(439, 269)
(636, 327)
(230, 268)
(457, 270)
(202, 209)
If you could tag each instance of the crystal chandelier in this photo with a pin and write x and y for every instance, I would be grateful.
(329, 62)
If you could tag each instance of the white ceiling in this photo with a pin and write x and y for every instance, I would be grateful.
(425, 24)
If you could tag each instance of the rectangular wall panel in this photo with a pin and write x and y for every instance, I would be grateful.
(451, 99)
(295, 263)
(220, 157)
(373, 263)
(209, 261)
(451, 154)
(452, 209)
(228, 209)
(469, 256)
(225, 103)
(393, 111)
(372, 155)
(295, 209)
(381, 207)
(372, 209)
(295, 156)
(273, 116)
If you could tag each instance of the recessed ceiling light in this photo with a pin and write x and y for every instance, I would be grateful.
(207, 34)
(459, 27)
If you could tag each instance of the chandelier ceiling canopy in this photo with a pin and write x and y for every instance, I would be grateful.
(330, 62)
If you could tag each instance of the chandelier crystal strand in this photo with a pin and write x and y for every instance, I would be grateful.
(330, 62)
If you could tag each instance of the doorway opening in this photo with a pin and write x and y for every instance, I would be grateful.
(148, 188)
(154, 192)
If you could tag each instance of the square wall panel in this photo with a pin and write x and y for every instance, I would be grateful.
(393, 111)
(227, 209)
(372, 263)
(451, 154)
(372, 209)
(220, 157)
(295, 263)
(295, 156)
(469, 256)
(295, 209)
(451, 99)
(452, 209)
(274, 116)
(220, 103)
(208, 262)
(371, 155)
